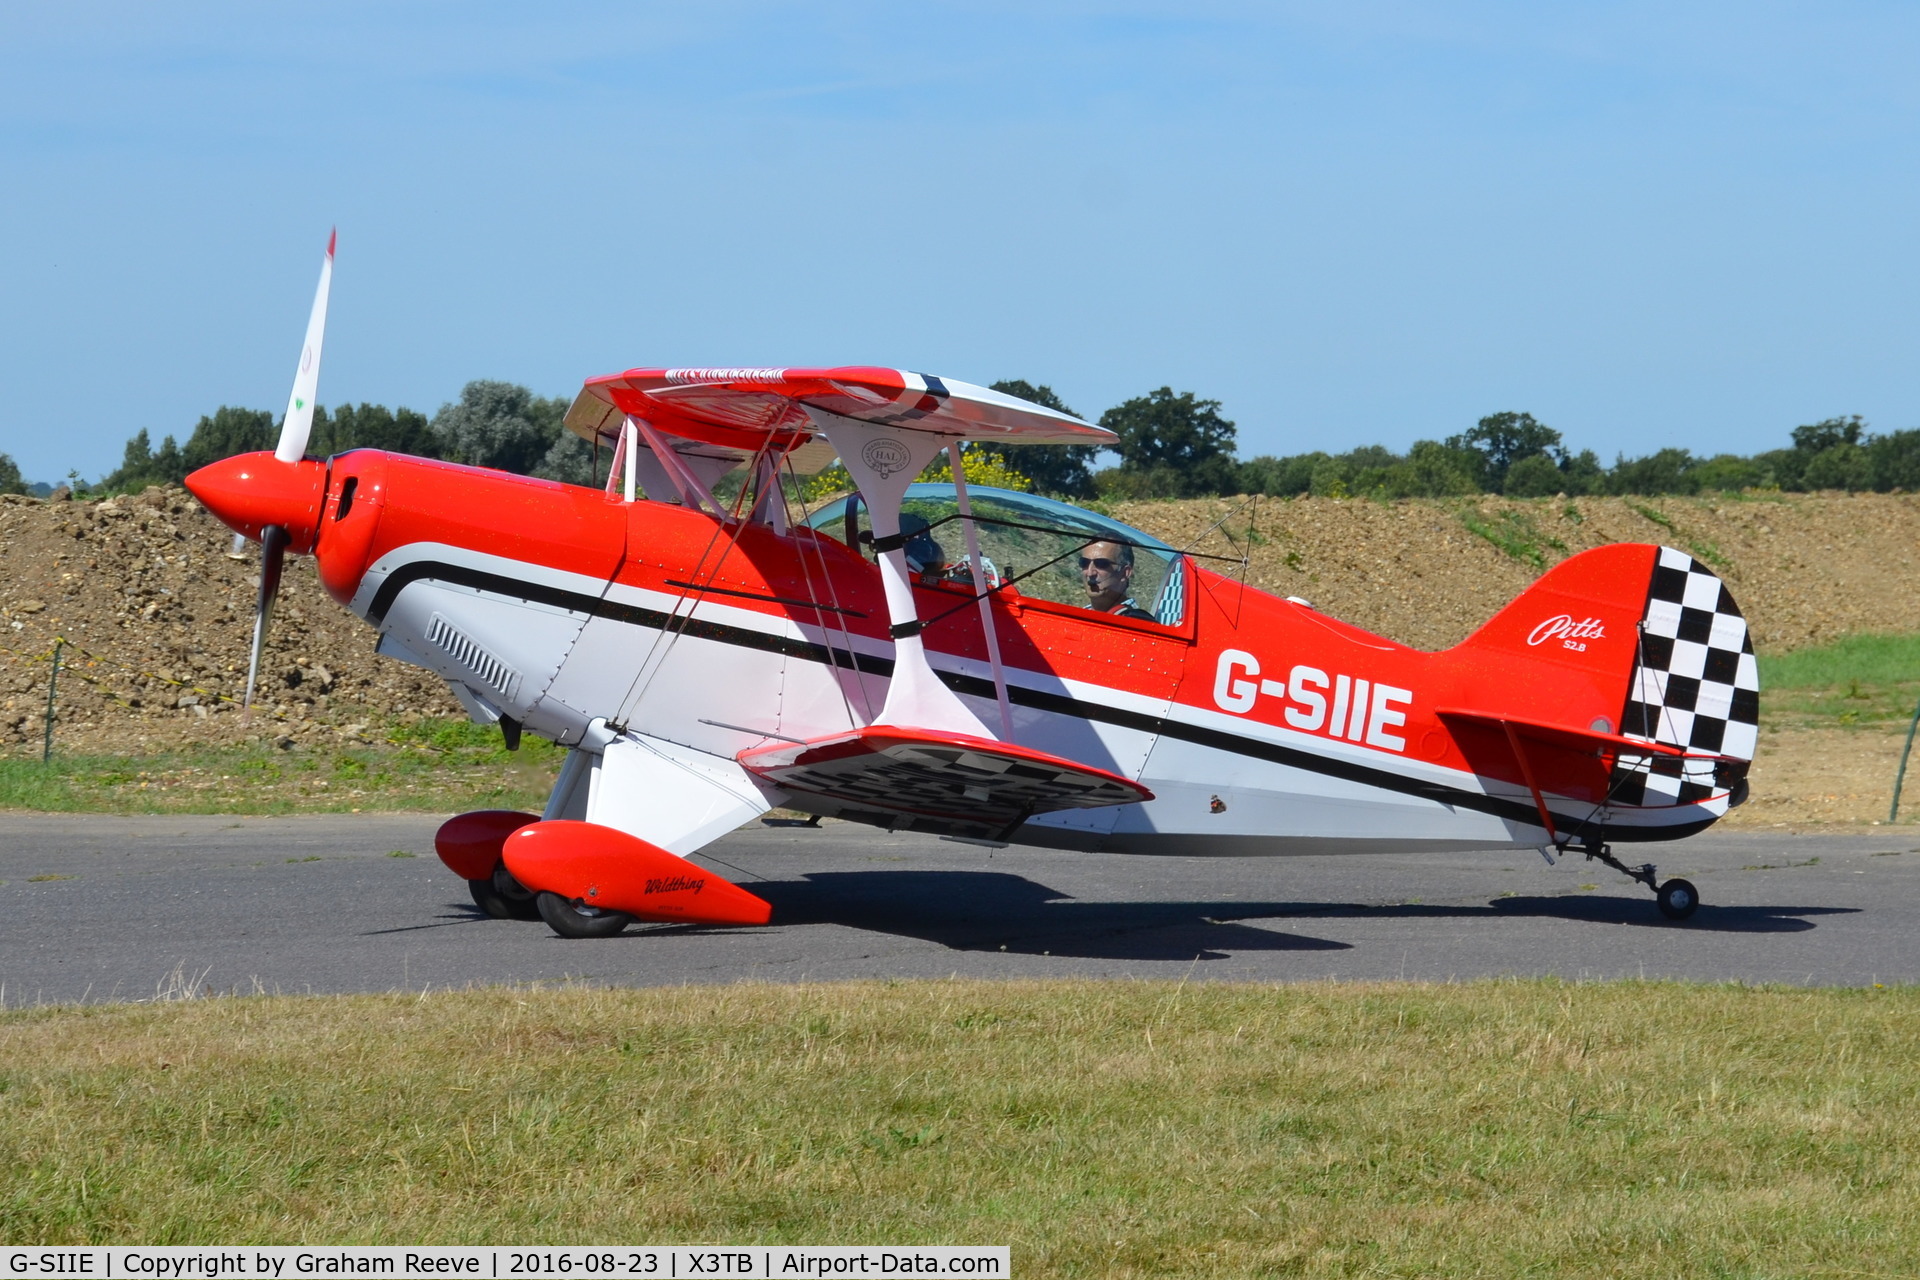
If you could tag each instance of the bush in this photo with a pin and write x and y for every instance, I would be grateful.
(1729, 471)
(1668, 471)
(1535, 476)
(1893, 461)
(1840, 466)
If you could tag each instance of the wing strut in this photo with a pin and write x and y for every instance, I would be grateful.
(883, 460)
(1526, 774)
(692, 492)
(975, 563)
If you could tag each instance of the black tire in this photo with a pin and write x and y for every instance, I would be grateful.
(1678, 899)
(570, 921)
(503, 897)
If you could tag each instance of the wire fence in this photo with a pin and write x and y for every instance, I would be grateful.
(77, 662)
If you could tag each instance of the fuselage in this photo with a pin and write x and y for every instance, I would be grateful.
(1260, 725)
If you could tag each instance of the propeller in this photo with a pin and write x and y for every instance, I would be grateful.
(295, 428)
(273, 560)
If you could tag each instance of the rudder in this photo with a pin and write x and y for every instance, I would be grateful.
(1695, 685)
(1630, 639)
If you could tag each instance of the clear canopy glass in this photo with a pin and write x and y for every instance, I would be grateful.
(1023, 536)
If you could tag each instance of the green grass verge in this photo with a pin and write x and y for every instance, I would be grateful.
(1861, 680)
(1514, 534)
(1101, 1129)
(433, 766)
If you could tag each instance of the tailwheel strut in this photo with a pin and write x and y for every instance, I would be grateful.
(1677, 898)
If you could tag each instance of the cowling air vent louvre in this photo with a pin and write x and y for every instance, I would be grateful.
(469, 653)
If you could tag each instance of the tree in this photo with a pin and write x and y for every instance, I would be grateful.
(142, 465)
(1534, 476)
(570, 461)
(1502, 439)
(227, 432)
(1062, 469)
(10, 480)
(1174, 445)
(1287, 477)
(372, 426)
(1728, 472)
(1893, 461)
(1668, 471)
(1433, 470)
(1583, 473)
(500, 425)
(1780, 468)
(1842, 466)
(1818, 437)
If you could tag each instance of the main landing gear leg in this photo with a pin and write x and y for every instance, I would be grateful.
(1677, 898)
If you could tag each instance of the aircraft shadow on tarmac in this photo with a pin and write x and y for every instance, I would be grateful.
(1000, 911)
(986, 911)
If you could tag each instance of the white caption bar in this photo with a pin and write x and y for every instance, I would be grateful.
(399, 1262)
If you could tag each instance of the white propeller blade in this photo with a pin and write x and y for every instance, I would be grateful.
(298, 424)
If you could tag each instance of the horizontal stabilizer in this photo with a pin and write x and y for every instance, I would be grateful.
(958, 782)
(1588, 741)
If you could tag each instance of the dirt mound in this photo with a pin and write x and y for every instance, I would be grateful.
(158, 616)
(158, 620)
(1806, 569)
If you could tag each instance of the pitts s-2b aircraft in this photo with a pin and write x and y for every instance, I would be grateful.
(981, 664)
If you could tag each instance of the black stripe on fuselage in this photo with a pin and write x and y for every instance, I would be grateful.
(1059, 704)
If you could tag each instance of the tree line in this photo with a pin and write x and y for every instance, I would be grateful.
(493, 424)
(1170, 445)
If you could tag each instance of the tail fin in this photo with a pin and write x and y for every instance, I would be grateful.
(1695, 685)
(1637, 640)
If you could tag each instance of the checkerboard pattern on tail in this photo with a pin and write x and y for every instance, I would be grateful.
(1696, 686)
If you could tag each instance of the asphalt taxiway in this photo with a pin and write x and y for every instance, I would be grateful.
(130, 908)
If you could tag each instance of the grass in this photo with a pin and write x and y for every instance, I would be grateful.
(434, 765)
(1648, 513)
(1865, 680)
(1101, 1129)
(1514, 534)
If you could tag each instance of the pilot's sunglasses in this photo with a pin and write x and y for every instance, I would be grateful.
(1101, 563)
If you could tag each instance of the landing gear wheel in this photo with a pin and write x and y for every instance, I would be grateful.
(570, 921)
(503, 897)
(1678, 899)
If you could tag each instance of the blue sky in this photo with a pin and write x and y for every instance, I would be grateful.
(1352, 223)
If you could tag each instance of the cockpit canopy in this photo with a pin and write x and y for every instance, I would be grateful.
(1022, 536)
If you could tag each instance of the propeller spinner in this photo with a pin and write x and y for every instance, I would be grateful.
(276, 497)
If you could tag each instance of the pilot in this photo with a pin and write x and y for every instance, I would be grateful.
(1107, 568)
(925, 557)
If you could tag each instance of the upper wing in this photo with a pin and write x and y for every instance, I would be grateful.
(742, 408)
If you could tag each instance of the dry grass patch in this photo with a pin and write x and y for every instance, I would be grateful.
(1101, 1129)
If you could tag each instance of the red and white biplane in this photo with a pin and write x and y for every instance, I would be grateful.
(986, 665)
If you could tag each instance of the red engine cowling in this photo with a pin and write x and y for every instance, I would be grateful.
(470, 843)
(601, 867)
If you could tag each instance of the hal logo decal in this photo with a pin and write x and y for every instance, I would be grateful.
(886, 456)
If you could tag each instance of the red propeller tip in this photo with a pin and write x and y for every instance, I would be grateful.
(332, 236)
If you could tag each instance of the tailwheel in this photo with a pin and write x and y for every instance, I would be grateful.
(1678, 899)
(571, 920)
(503, 897)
